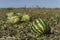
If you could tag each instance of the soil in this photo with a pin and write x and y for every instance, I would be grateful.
(22, 31)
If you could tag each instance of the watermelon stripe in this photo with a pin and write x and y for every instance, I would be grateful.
(38, 27)
(46, 25)
(39, 24)
(43, 22)
(36, 30)
(33, 29)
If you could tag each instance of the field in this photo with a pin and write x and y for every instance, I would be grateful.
(22, 31)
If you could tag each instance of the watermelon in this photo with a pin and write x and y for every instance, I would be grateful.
(19, 14)
(40, 26)
(14, 19)
(10, 14)
(25, 17)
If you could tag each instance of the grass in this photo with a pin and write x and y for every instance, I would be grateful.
(22, 31)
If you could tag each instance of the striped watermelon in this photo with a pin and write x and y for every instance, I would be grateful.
(40, 26)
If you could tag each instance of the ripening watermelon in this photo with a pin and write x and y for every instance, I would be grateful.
(40, 26)
(19, 14)
(25, 17)
(14, 19)
(10, 14)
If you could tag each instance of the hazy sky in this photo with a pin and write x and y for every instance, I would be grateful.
(29, 3)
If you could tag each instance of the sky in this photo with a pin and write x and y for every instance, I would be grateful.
(30, 3)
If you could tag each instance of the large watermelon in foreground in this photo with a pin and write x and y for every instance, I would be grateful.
(40, 26)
